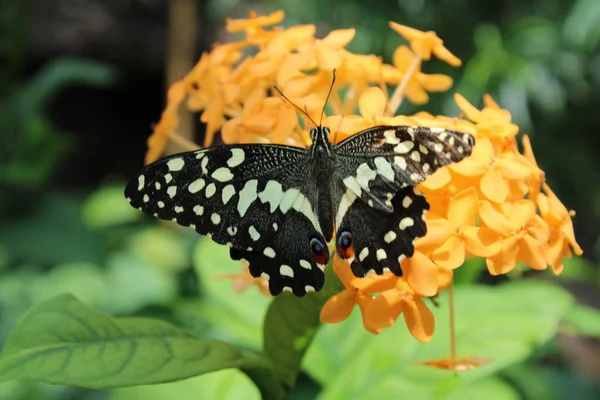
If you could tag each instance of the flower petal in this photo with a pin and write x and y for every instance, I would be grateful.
(339, 38)
(372, 103)
(384, 309)
(451, 254)
(421, 274)
(338, 308)
(493, 186)
(522, 212)
(462, 210)
(437, 180)
(506, 260)
(467, 108)
(495, 220)
(419, 320)
(438, 231)
(481, 241)
(444, 54)
(434, 82)
(532, 252)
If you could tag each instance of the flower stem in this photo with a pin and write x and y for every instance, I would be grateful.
(452, 326)
(398, 94)
(182, 142)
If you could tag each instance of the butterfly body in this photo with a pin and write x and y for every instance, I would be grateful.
(278, 206)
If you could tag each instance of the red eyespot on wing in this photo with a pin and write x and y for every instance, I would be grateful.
(345, 245)
(320, 254)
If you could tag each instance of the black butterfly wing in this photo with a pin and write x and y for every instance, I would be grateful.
(379, 161)
(380, 240)
(254, 198)
(381, 209)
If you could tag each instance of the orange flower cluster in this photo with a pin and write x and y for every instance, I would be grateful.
(493, 205)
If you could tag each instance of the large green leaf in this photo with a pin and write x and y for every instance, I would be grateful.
(503, 323)
(65, 342)
(290, 325)
(223, 385)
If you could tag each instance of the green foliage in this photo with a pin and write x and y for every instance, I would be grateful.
(63, 341)
(505, 324)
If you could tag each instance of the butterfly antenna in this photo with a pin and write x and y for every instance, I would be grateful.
(327, 98)
(292, 103)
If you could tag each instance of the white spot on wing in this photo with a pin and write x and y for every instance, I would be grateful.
(390, 136)
(406, 201)
(406, 222)
(211, 189)
(222, 174)
(247, 196)
(168, 178)
(196, 186)
(161, 204)
(254, 235)
(272, 194)
(175, 164)
(345, 203)
(286, 270)
(171, 191)
(215, 218)
(227, 193)
(353, 185)
(198, 210)
(364, 174)
(363, 254)
(269, 252)
(237, 157)
(381, 254)
(404, 147)
(305, 264)
(389, 237)
(384, 168)
(400, 162)
(141, 181)
(178, 209)
(146, 198)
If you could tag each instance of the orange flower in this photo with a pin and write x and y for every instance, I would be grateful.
(484, 206)
(243, 281)
(420, 83)
(383, 311)
(449, 240)
(492, 121)
(426, 43)
(339, 307)
(494, 171)
(524, 235)
(562, 236)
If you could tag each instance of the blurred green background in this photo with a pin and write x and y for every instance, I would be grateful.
(82, 81)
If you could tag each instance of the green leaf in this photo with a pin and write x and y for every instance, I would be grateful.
(584, 320)
(290, 325)
(505, 324)
(223, 385)
(65, 342)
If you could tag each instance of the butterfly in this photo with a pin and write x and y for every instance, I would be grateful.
(277, 207)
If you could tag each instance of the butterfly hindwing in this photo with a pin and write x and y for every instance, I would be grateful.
(379, 240)
(377, 162)
(254, 198)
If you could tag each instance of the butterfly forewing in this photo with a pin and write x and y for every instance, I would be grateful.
(378, 162)
(258, 199)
